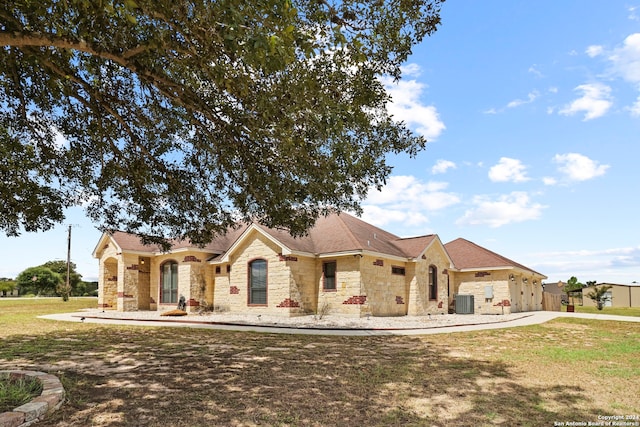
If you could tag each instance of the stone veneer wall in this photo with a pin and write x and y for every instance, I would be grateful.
(304, 280)
(280, 298)
(108, 277)
(222, 290)
(509, 296)
(419, 302)
(474, 283)
(128, 282)
(349, 298)
(386, 292)
(108, 283)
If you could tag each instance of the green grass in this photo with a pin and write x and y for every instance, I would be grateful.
(616, 311)
(567, 369)
(15, 392)
(21, 315)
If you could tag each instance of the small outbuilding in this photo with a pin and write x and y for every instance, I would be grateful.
(618, 296)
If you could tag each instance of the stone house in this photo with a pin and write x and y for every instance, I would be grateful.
(343, 266)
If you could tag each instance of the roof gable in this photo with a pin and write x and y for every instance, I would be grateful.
(246, 232)
(127, 242)
(105, 239)
(415, 247)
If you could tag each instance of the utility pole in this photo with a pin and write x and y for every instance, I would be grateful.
(68, 285)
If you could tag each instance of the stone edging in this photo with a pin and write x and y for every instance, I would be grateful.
(50, 399)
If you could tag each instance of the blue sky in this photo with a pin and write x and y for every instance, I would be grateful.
(532, 112)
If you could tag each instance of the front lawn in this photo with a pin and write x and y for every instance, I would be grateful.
(617, 311)
(565, 370)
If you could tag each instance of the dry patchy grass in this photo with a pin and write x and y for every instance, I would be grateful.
(125, 376)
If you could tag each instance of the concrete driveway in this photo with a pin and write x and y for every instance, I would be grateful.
(532, 318)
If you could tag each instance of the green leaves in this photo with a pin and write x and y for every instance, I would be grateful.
(38, 280)
(175, 119)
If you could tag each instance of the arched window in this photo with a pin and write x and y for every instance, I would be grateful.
(169, 283)
(258, 282)
(433, 283)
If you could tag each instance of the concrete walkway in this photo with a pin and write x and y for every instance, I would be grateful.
(531, 318)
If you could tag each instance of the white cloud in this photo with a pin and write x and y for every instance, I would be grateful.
(380, 216)
(595, 101)
(408, 192)
(547, 180)
(635, 108)
(530, 98)
(60, 140)
(507, 170)
(594, 50)
(406, 105)
(442, 166)
(577, 167)
(533, 70)
(626, 59)
(506, 209)
(405, 199)
(411, 69)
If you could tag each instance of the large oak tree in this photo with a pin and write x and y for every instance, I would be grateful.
(177, 118)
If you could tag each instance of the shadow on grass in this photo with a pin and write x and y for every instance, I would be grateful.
(181, 377)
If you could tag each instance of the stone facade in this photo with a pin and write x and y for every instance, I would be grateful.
(420, 302)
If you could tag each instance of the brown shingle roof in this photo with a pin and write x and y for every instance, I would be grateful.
(333, 233)
(133, 242)
(468, 255)
(340, 233)
(414, 246)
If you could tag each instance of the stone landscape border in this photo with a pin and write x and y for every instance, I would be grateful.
(50, 399)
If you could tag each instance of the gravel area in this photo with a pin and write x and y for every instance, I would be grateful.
(311, 321)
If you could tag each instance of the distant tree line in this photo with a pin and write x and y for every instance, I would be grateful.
(49, 279)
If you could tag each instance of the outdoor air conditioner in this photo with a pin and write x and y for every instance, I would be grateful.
(464, 304)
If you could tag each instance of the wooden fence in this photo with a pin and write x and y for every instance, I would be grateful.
(551, 302)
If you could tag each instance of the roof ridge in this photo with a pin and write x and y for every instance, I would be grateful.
(415, 237)
(350, 234)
